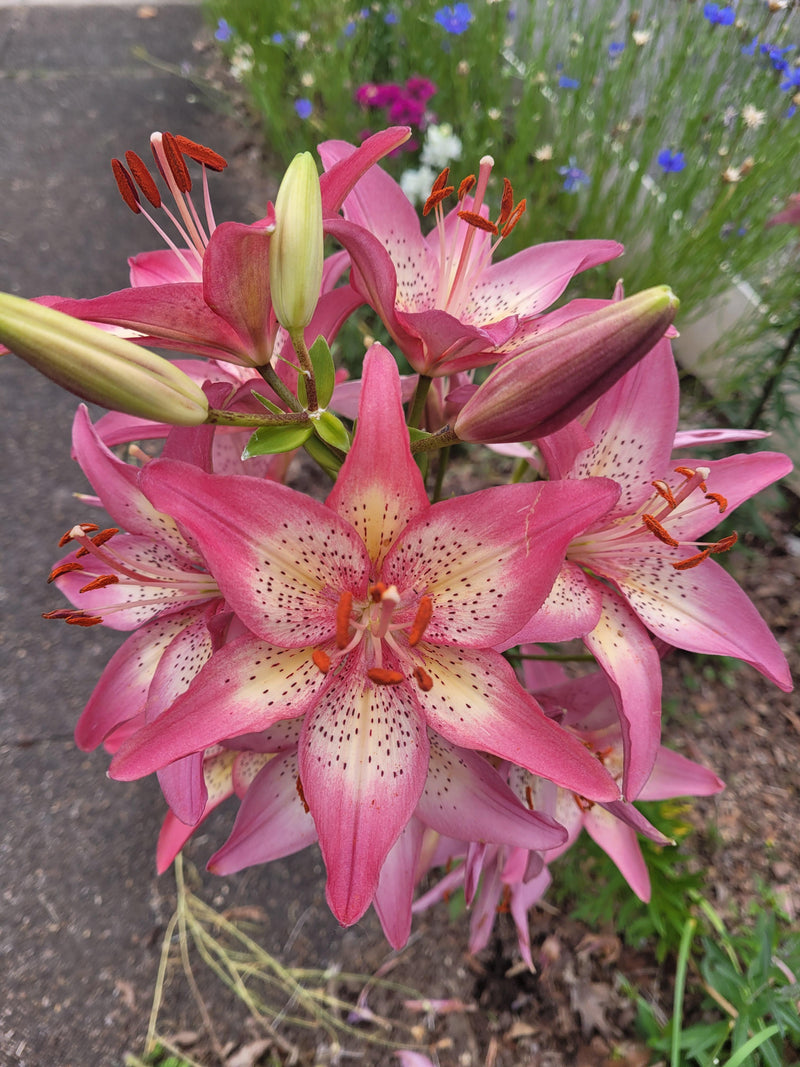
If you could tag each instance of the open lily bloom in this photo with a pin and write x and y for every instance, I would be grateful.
(374, 617)
(443, 301)
(226, 313)
(642, 569)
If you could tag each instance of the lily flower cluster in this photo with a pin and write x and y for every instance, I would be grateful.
(355, 671)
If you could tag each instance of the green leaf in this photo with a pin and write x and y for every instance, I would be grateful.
(332, 431)
(329, 460)
(270, 440)
(268, 404)
(740, 1055)
(324, 374)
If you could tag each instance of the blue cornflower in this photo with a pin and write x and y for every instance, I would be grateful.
(574, 177)
(390, 18)
(277, 38)
(454, 19)
(303, 107)
(615, 49)
(224, 30)
(750, 49)
(776, 55)
(669, 161)
(350, 28)
(568, 83)
(719, 16)
(792, 79)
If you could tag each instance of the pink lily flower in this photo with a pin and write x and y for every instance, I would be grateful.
(641, 570)
(462, 795)
(443, 301)
(149, 580)
(374, 617)
(227, 314)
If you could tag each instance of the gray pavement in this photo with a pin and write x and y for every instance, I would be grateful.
(81, 910)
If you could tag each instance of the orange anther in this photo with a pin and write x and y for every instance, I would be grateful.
(436, 198)
(200, 154)
(63, 568)
(655, 527)
(719, 500)
(322, 660)
(302, 795)
(465, 186)
(143, 178)
(692, 561)
(100, 582)
(104, 535)
(87, 527)
(384, 676)
(583, 804)
(127, 190)
(376, 592)
(516, 215)
(423, 679)
(78, 619)
(472, 218)
(724, 544)
(343, 609)
(664, 492)
(441, 180)
(529, 797)
(506, 203)
(421, 620)
(59, 613)
(687, 472)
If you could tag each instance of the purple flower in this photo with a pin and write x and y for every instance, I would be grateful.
(574, 177)
(421, 89)
(373, 94)
(454, 19)
(568, 83)
(406, 111)
(669, 161)
(224, 31)
(719, 16)
(303, 107)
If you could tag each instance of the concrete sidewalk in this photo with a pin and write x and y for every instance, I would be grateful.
(81, 911)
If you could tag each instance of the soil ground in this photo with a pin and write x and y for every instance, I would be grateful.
(82, 914)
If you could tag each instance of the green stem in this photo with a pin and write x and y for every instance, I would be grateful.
(444, 458)
(240, 418)
(442, 439)
(270, 376)
(299, 344)
(418, 402)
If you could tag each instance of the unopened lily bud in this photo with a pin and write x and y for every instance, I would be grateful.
(295, 252)
(99, 366)
(536, 392)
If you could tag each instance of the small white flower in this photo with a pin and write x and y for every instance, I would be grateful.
(416, 184)
(641, 37)
(544, 153)
(752, 117)
(241, 61)
(731, 175)
(441, 147)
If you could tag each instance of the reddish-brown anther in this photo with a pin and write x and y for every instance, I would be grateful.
(100, 582)
(143, 178)
(472, 218)
(176, 162)
(200, 153)
(127, 190)
(63, 568)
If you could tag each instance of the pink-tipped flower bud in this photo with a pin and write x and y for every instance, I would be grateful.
(99, 366)
(295, 251)
(539, 390)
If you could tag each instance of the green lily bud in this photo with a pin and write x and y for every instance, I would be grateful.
(537, 391)
(295, 251)
(99, 366)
